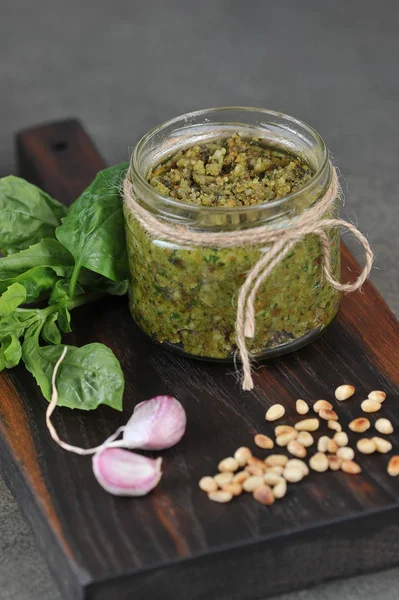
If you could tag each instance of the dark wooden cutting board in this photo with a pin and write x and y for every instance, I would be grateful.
(175, 543)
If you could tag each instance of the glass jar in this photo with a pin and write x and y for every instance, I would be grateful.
(185, 297)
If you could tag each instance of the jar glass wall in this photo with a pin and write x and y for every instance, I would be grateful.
(185, 297)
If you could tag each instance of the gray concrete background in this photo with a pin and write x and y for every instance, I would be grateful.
(124, 66)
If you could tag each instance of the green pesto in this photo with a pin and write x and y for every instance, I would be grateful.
(187, 297)
(229, 172)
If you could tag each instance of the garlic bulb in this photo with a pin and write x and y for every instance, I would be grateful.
(155, 424)
(124, 473)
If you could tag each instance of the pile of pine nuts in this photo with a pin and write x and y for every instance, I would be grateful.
(266, 479)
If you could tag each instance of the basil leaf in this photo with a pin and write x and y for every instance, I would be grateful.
(64, 319)
(51, 334)
(60, 297)
(47, 253)
(37, 268)
(89, 376)
(114, 288)
(93, 230)
(93, 281)
(11, 351)
(60, 293)
(11, 299)
(11, 325)
(38, 282)
(27, 214)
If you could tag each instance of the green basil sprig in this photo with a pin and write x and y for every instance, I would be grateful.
(27, 214)
(69, 259)
(93, 229)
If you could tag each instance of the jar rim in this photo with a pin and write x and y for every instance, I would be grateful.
(178, 204)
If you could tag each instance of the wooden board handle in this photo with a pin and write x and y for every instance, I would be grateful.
(59, 157)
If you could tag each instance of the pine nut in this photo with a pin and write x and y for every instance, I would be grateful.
(301, 407)
(319, 462)
(384, 426)
(264, 495)
(322, 405)
(240, 477)
(370, 406)
(328, 415)
(296, 449)
(322, 444)
(276, 411)
(256, 462)
(285, 438)
(242, 455)
(341, 438)
(276, 460)
(393, 466)
(255, 470)
(334, 462)
(332, 447)
(252, 483)
(277, 469)
(350, 467)
(346, 453)
(233, 488)
(223, 478)
(272, 478)
(293, 475)
(343, 392)
(229, 464)
(334, 425)
(220, 496)
(263, 441)
(307, 425)
(280, 489)
(296, 463)
(377, 395)
(280, 429)
(382, 446)
(359, 425)
(208, 484)
(366, 446)
(305, 438)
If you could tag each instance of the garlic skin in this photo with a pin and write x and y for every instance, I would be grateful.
(124, 473)
(156, 424)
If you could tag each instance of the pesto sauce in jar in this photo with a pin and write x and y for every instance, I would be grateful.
(230, 173)
(187, 297)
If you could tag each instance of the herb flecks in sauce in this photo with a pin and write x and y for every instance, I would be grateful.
(230, 172)
(186, 296)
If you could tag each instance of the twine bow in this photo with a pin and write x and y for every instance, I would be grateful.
(279, 242)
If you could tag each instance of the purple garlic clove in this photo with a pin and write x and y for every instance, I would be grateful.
(156, 424)
(125, 473)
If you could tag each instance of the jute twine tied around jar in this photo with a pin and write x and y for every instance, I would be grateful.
(279, 242)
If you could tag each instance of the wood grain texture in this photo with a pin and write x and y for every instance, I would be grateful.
(175, 543)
